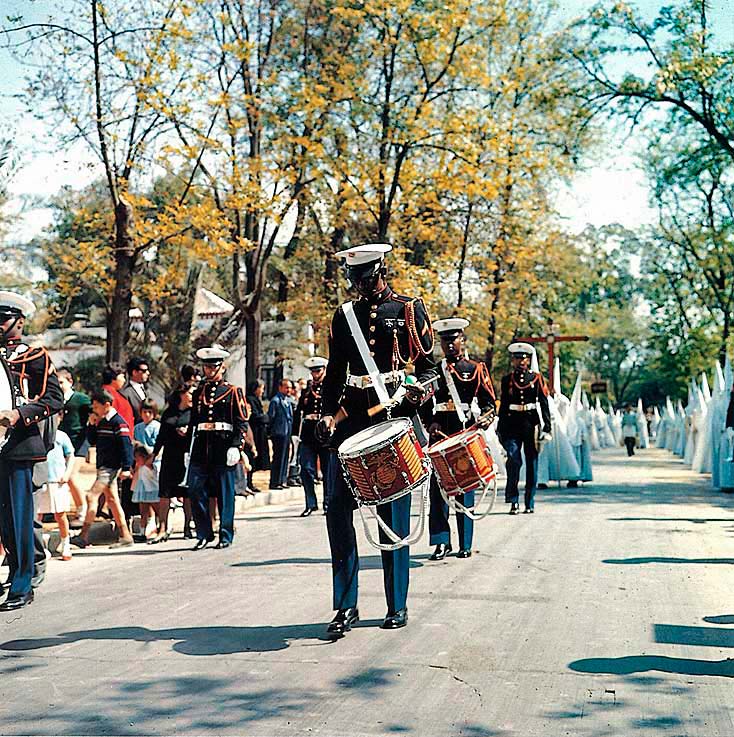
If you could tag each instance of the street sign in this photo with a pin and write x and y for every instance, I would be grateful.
(599, 387)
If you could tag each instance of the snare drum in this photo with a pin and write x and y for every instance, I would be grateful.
(384, 462)
(462, 462)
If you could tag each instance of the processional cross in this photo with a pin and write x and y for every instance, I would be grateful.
(550, 339)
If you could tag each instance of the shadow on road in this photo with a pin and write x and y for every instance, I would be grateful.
(676, 634)
(720, 619)
(226, 640)
(660, 559)
(645, 663)
(366, 562)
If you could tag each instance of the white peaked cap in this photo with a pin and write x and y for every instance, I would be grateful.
(450, 324)
(718, 378)
(576, 401)
(705, 388)
(557, 375)
(17, 302)
(315, 362)
(521, 348)
(364, 254)
(212, 354)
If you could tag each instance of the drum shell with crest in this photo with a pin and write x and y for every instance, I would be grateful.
(463, 462)
(384, 462)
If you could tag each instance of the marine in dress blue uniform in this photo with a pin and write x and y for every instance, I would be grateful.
(37, 396)
(523, 408)
(306, 417)
(218, 426)
(398, 332)
(474, 388)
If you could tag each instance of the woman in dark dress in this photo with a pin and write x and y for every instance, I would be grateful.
(259, 425)
(172, 440)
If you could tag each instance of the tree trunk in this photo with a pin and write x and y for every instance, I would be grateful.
(252, 346)
(118, 314)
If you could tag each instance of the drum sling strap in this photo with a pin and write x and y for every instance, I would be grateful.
(364, 353)
(453, 392)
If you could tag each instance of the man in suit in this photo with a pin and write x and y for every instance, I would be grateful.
(216, 435)
(472, 384)
(397, 336)
(523, 411)
(134, 391)
(37, 396)
(280, 415)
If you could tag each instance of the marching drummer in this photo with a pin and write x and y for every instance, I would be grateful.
(37, 396)
(524, 422)
(374, 343)
(465, 396)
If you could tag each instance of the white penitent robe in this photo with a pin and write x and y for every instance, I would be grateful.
(615, 424)
(702, 455)
(723, 475)
(654, 424)
(496, 449)
(556, 461)
(681, 431)
(606, 437)
(578, 425)
(642, 424)
(693, 414)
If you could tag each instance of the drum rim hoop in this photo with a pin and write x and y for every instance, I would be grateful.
(457, 439)
(407, 426)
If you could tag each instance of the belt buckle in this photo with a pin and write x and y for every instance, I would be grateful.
(366, 382)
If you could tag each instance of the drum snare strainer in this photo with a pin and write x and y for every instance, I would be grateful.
(382, 464)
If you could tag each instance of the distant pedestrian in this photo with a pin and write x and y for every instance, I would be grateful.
(145, 490)
(77, 407)
(146, 431)
(280, 414)
(54, 497)
(630, 429)
(109, 432)
(134, 390)
(174, 446)
(190, 376)
(259, 425)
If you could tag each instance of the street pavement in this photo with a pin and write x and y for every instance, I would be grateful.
(608, 612)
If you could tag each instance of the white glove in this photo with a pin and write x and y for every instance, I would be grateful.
(233, 456)
(187, 459)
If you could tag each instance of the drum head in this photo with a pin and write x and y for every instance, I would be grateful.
(452, 441)
(374, 436)
(7, 397)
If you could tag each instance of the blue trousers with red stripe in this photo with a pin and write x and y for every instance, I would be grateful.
(16, 522)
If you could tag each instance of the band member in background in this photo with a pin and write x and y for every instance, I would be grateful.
(307, 415)
(398, 332)
(471, 383)
(38, 397)
(217, 433)
(523, 408)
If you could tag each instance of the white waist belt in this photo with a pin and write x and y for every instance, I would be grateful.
(523, 407)
(364, 382)
(312, 417)
(451, 407)
(213, 426)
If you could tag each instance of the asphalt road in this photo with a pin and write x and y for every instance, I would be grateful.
(608, 612)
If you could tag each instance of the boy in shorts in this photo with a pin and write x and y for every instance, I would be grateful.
(111, 435)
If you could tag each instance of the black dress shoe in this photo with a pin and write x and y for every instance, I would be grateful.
(307, 513)
(343, 621)
(514, 509)
(221, 545)
(17, 601)
(463, 553)
(201, 544)
(395, 621)
(542, 486)
(441, 551)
